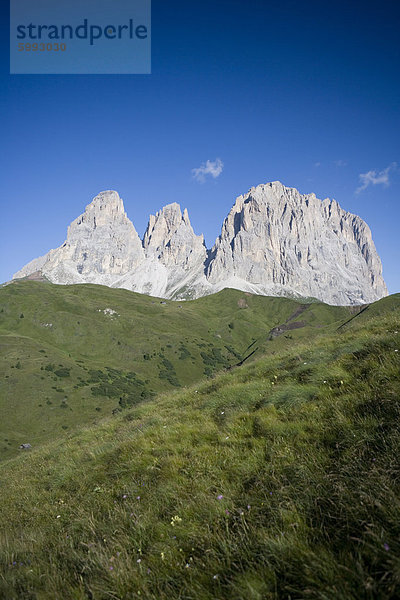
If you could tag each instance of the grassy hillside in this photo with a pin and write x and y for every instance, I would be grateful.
(276, 480)
(72, 354)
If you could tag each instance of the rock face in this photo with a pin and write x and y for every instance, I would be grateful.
(170, 239)
(101, 245)
(279, 242)
(275, 241)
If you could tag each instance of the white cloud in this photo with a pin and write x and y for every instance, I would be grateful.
(317, 164)
(340, 163)
(210, 167)
(375, 178)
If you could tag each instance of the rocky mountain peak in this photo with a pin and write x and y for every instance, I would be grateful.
(170, 237)
(274, 241)
(105, 209)
(162, 225)
(279, 240)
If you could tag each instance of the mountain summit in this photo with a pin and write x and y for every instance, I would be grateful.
(275, 241)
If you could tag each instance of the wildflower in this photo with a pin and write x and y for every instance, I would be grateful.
(248, 507)
(139, 560)
(223, 412)
(137, 497)
(175, 520)
(227, 437)
(386, 546)
(215, 576)
(227, 512)
(220, 497)
(162, 556)
(58, 516)
(111, 568)
(124, 496)
(187, 566)
(396, 350)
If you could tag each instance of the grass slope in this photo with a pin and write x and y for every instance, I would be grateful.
(279, 479)
(66, 362)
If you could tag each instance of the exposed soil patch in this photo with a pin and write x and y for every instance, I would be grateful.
(286, 326)
(36, 276)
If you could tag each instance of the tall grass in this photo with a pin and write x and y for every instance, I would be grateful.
(279, 479)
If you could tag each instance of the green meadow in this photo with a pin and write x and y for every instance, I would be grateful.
(71, 355)
(239, 459)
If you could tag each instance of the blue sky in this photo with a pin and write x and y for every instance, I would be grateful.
(307, 93)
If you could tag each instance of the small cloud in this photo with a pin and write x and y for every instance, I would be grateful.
(213, 168)
(317, 164)
(375, 178)
(340, 163)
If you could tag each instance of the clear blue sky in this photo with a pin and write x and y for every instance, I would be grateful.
(307, 93)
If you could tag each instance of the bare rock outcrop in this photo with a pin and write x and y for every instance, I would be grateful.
(275, 241)
(280, 242)
(102, 244)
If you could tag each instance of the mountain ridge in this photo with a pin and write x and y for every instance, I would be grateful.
(274, 241)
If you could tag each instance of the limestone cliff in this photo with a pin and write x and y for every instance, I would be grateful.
(275, 241)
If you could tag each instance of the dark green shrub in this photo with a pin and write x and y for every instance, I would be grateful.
(63, 372)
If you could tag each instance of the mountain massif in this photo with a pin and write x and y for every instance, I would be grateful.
(275, 241)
